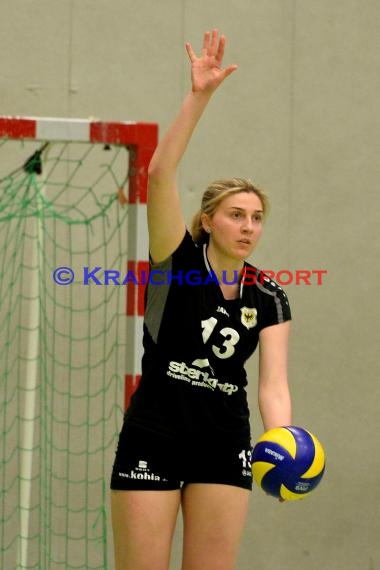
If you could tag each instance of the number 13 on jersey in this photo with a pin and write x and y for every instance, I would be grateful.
(231, 338)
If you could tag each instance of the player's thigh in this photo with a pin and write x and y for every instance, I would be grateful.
(143, 525)
(214, 516)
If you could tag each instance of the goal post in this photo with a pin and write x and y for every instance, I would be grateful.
(141, 140)
(73, 197)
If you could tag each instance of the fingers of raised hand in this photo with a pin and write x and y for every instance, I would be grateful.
(220, 52)
(213, 49)
(211, 44)
(190, 52)
(206, 44)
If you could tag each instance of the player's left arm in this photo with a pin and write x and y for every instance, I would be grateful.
(273, 392)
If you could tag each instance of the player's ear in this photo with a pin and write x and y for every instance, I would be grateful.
(205, 221)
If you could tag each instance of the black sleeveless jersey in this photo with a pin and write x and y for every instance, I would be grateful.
(195, 346)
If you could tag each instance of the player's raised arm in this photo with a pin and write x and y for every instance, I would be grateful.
(165, 219)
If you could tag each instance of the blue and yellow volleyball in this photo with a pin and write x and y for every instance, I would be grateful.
(288, 462)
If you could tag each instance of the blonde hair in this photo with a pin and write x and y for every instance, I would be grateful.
(214, 194)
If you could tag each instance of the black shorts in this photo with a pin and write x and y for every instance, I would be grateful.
(146, 460)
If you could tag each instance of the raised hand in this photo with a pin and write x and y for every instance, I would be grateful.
(206, 71)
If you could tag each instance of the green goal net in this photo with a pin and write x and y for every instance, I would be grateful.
(63, 341)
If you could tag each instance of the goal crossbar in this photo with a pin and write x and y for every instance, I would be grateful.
(61, 129)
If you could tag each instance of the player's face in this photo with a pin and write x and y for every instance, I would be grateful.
(236, 225)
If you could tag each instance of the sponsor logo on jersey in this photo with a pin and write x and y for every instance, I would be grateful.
(248, 317)
(181, 371)
(200, 362)
(197, 377)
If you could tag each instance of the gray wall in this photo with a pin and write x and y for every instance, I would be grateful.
(301, 118)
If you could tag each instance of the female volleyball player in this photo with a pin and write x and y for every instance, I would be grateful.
(185, 441)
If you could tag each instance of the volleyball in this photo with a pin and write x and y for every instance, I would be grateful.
(288, 462)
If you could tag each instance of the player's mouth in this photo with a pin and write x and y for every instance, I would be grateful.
(245, 241)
